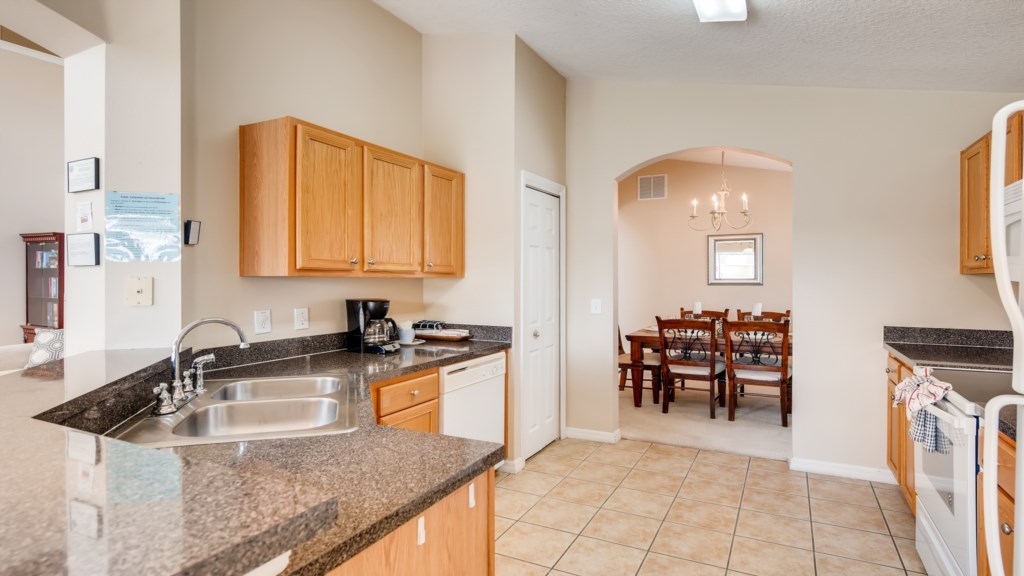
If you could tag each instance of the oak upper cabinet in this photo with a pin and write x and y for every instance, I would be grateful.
(444, 223)
(975, 239)
(392, 212)
(301, 200)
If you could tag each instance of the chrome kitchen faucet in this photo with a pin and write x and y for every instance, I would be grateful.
(181, 393)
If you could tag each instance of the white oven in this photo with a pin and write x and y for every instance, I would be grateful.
(947, 487)
(947, 491)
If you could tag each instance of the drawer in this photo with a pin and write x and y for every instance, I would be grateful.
(402, 395)
(422, 418)
(892, 369)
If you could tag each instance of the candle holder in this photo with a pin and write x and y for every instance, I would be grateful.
(719, 214)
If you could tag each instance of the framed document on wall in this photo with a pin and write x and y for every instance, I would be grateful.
(83, 249)
(84, 175)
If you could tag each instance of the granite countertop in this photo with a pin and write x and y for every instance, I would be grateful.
(969, 350)
(79, 502)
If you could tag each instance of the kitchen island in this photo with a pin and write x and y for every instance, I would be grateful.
(78, 502)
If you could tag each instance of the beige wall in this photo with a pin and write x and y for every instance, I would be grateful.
(349, 66)
(540, 115)
(469, 124)
(663, 263)
(875, 232)
(31, 161)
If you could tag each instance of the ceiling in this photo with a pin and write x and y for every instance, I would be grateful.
(969, 45)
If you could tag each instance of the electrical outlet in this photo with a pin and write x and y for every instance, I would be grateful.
(262, 321)
(301, 318)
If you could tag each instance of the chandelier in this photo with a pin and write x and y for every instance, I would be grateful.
(719, 215)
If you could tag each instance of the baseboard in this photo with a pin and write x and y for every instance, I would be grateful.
(595, 435)
(513, 466)
(882, 475)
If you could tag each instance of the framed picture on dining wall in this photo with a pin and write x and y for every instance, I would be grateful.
(736, 259)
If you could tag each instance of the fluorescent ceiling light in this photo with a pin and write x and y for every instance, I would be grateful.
(721, 10)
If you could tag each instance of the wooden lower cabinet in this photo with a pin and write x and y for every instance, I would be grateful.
(900, 448)
(422, 417)
(409, 401)
(454, 536)
(1005, 495)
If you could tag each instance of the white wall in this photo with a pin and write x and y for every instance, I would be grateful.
(875, 231)
(32, 162)
(663, 263)
(348, 66)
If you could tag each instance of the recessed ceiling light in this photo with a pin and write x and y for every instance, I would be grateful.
(721, 10)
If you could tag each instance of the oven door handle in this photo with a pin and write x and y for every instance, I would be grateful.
(990, 486)
(956, 423)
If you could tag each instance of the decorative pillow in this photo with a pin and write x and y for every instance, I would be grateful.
(47, 346)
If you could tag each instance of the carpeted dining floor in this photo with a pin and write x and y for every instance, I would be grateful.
(757, 430)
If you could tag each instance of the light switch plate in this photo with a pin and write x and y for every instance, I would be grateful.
(138, 291)
(301, 318)
(595, 305)
(262, 321)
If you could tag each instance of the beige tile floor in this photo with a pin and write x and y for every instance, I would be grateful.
(637, 508)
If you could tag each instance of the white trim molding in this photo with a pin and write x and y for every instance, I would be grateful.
(882, 475)
(595, 435)
(513, 466)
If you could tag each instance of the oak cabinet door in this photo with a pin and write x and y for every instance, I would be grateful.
(392, 212)
(328, 200)
(443, 222)
(422, 417)
(975, 240)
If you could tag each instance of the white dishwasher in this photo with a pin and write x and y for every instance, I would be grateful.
(473, 399)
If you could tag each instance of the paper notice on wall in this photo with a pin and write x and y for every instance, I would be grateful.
(83, 219)
(143, 227)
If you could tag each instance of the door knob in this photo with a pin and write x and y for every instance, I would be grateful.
(536, 333)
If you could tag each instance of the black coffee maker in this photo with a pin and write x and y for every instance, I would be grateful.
(369, 328)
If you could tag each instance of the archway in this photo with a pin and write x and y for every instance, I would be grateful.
(663, 266)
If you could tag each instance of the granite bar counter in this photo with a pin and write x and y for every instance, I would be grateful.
(76, 501)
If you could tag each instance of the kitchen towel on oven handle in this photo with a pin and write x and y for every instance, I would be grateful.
(916, 392)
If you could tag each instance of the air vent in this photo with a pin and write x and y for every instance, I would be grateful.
(652, 187)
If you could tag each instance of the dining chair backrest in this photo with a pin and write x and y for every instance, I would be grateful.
(757, 345)
(688, 342)
(748, 316)
(704, 314)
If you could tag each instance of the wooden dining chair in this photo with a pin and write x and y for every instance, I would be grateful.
(689, 352)
(757, 354)
(748, 316)
(652, 364)
(704, 314)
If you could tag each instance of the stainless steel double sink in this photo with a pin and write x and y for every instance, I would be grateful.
(253, 409)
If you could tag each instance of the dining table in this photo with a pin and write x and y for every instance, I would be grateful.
(648, 338)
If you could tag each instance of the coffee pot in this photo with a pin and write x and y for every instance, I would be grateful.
(369, 328)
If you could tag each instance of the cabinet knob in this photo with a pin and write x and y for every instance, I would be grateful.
(889, 370)
(371, 261)
(981, 257)
(892, 397)
(1006, 529)
(430, 264)
(415, 393)
(354, 261)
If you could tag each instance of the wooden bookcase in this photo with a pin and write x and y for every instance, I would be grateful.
(44, 282)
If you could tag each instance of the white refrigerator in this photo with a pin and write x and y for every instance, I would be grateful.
(1006, 259)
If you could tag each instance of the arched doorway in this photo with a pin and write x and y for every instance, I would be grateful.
(663, 260)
